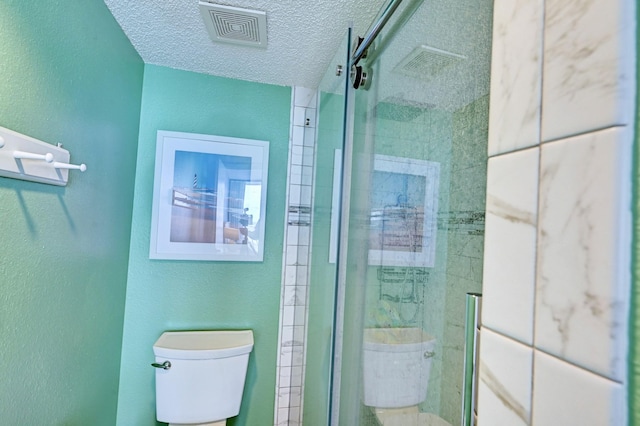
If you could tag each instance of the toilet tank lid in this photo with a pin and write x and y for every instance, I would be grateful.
(397, 339)
(203, 344)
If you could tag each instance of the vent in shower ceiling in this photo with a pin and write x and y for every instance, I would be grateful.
(426, 62)
(235, 25)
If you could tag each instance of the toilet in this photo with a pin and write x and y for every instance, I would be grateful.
(396, 368)
(200, 376)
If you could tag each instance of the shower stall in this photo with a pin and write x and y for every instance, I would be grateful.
(398, 216)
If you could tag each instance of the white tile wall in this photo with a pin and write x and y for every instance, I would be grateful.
(510, 233)
(581, 245)
(505, 381)
(570, 396)
(588, 74)
(515, 75)
(579, 312)
(294, 302)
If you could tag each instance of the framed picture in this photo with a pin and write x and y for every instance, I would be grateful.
(403, 211)
(209, 198)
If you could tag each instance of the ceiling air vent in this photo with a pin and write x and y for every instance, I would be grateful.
(234, 25)
(426, 62)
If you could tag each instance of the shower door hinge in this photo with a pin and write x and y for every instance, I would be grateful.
(360, 76)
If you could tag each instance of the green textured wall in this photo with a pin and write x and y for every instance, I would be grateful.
(67, 74)
(186, 295)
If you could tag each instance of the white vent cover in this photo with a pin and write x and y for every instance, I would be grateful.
(426, 62)
(234, 25)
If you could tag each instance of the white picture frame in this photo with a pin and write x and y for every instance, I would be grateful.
(209, 198)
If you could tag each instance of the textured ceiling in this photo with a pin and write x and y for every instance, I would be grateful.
(302, 37)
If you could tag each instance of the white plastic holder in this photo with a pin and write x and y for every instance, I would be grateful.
(81, 167)
(26, 158)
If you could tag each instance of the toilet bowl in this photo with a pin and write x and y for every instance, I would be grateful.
(200, 376)
(396, 369)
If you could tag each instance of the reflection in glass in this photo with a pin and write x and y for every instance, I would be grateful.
(413, 211)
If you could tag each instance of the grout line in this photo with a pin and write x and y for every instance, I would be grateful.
(516, 150)
(556, 357)
(554, 140)
(543, 18)
(578, 134)
(580, 367)
(506, 336)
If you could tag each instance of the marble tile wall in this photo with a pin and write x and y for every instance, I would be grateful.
(295, 268)
(557, 237)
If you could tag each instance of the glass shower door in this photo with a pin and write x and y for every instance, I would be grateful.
(416, 198)
(333, 97)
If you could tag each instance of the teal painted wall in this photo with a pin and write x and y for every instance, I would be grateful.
(67, 74)
(187, 295)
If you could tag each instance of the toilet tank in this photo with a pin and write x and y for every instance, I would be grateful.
(206, 378)
(396, 366)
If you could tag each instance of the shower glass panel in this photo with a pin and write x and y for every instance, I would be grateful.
(415, 218)
(332, 111)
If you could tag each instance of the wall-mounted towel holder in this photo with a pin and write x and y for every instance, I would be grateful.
(26, 158)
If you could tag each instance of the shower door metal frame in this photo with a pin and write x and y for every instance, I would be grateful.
(335, 368)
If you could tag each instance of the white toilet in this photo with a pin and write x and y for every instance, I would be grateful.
(200, 376)
(396, 368)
